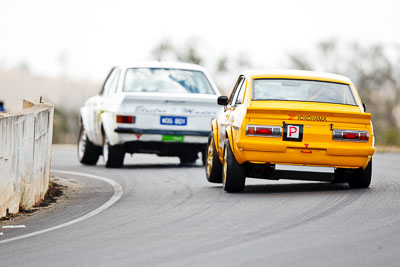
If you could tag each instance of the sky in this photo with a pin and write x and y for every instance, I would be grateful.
(85, 38)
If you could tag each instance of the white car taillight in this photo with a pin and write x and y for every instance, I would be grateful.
(263, 130)
(125, 119)
(350, 135)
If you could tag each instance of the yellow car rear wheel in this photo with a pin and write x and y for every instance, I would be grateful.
(233, 174)
(361, 178)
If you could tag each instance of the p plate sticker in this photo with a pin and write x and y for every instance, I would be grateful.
(293, 132)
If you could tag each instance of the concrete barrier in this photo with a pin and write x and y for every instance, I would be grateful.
(25, 147)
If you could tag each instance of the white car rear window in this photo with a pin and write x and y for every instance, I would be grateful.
(166, 80)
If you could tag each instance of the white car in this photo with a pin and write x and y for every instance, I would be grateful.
(153, 107)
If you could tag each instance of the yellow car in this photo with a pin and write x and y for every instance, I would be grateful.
(287, 124)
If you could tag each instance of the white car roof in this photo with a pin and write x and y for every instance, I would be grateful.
(163, 64)
(299, 73)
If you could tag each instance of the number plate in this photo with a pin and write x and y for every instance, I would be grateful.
(172, 138)
(172, 120)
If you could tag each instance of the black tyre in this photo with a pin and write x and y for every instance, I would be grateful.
(341, 176)
(88, 153)
(188, 158)
(212, 162)
(204, 156)
(361, 178)
(113, 155)
(233, 174)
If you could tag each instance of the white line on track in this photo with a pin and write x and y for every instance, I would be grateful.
(115, 197)
(13, 226)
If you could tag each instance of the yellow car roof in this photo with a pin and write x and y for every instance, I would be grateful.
(296, 74)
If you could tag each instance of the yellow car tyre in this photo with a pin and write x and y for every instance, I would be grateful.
(88, 153)
(361, 178)
(340, 176)
(233, 174)
(213, 164)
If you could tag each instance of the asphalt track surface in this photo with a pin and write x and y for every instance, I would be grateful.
(169, 215)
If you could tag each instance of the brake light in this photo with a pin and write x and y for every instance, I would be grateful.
(251, 130)
(264, 131)
(261, 130)
(364, 136)
(350, 135)
(125, 119)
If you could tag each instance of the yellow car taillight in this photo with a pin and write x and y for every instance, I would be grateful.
(350, 135)
(264, 130)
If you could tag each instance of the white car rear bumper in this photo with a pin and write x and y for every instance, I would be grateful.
(156, 135)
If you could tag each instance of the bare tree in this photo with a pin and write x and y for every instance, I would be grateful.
(161, 50)
(375, 71)
(221, 67)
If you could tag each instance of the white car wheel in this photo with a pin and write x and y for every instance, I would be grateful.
(88, 153)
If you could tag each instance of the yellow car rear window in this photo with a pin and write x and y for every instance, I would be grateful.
(302, 90)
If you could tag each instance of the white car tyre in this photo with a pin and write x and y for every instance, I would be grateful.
(88, 153)
(213, 164)
(113, 155)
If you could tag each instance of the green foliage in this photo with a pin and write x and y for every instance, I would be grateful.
(66, 126)
(388, 137)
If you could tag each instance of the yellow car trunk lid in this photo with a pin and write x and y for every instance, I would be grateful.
(306, 112)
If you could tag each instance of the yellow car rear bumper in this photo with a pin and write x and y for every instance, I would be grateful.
(340, 156)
